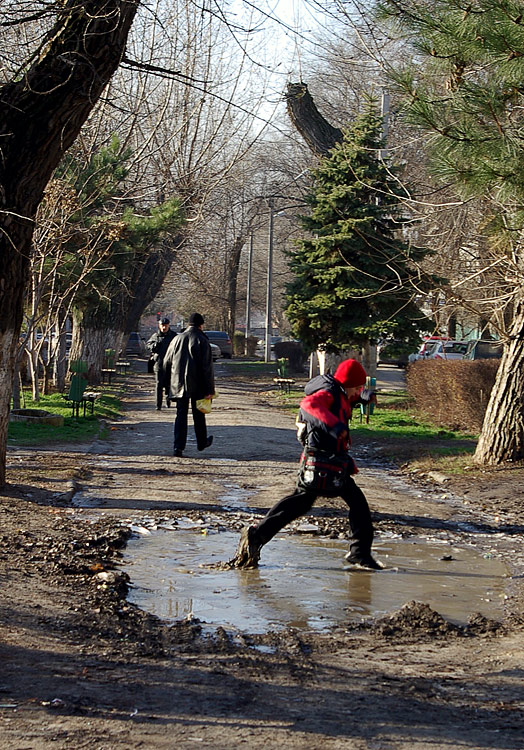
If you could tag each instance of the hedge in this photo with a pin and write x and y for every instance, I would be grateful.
(452, 394)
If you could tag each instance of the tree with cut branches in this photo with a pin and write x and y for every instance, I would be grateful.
(355, 273)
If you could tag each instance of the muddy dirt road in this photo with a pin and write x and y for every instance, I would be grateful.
(84, 668)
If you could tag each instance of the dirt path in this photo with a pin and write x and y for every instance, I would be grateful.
(81, 668)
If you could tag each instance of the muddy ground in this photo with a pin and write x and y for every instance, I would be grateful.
(83, 668)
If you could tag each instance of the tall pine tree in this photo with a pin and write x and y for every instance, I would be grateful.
(466, 91)
(352, 275)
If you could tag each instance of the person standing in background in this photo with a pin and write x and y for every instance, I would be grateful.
(157, 346)
(189, 368)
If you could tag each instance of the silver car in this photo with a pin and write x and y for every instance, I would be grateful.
(446, 350)
(222, 340)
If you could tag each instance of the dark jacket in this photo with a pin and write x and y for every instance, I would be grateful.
(158, 344)
(188, 365)
(326, 411)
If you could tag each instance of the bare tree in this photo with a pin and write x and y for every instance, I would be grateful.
(43, 107)
(184, 133)
(188, 95)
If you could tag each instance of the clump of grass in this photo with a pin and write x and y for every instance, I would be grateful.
(74, 430)
(453, 464)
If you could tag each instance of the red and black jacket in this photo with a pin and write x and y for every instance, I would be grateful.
(326, 411)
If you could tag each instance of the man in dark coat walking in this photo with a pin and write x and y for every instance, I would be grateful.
(157, 345)
(189, 366)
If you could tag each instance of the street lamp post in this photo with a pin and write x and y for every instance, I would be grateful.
(248, 293)
(269, 329)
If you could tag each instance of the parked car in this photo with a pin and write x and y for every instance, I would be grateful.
(215, 351)
(483, 349)
(135, 344)
(427, 342)
(222, 340)
(446, 350)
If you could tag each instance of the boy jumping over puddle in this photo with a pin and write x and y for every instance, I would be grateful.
(325, 468)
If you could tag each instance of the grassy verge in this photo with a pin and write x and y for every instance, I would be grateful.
(404, 436)
(74, 430)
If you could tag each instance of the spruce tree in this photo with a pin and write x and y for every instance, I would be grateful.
(352, 274)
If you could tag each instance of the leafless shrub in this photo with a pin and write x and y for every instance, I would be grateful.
(453, 394)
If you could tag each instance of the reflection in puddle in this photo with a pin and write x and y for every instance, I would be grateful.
(302, 582)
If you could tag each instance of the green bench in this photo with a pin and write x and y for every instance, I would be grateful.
(367, 409)
(109, 368)
(283, 380)
(122, 367)
(77, 395)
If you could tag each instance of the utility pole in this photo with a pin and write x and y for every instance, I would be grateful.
(248, 293)
(269, 328)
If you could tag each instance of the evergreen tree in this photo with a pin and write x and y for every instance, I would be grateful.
(466, 89)
(352, 275)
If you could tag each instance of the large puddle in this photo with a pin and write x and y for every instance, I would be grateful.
(301, 581)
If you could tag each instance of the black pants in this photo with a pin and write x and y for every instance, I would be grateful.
(161, 386)
(301, 501)
(199, 422)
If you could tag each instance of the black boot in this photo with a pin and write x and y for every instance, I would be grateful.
(248, 551)
(209, 442)
(364, 561)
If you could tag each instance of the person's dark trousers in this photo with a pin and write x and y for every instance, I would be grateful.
(161, 387)
(199, 421)
(301, 501)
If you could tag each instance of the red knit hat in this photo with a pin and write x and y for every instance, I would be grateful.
(350, 373)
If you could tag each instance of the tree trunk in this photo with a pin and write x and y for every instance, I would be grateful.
(150, 281)
(17, 390)
(35, 382)
(328, 361)
(233, 264)
(90, 342)
(369, 359)
(115, 340)
(8, 340)
(502, 436)
(41, 113)
(319, 135)
(60, 358)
